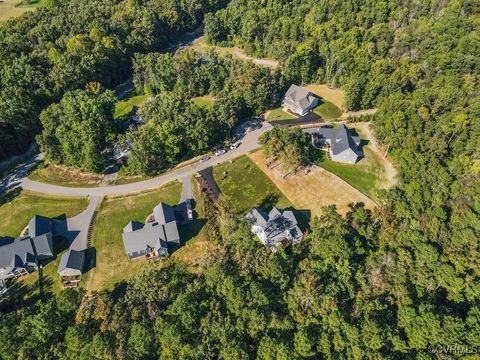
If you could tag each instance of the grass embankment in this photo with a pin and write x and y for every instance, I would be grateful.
(112, 264)
(125, 107)
(246, 186)
(15, 215)
(64, 176)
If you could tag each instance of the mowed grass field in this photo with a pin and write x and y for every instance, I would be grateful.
(314, 190)
(10, 9)
(333, 96)
(278, 114)
(246, 186)
(112, 265)
(204, 101)
(17, 212)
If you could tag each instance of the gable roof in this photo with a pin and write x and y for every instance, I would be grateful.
(152, 234)
(299, 96)
(133, 226)
(17, 253)
(340, 139)
(163, 213)
(43, 245)
(257, 216)
(72, 260)
(39, 225)
(171, 232)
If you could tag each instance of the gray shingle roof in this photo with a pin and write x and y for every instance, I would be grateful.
(171, 232)
(133, 226)
(257, 216)
(43, 245)
(299, 97)
(340, 139)
(163, 213)
(39, 225)
(72, 260)
(17, 253)
(152, 234)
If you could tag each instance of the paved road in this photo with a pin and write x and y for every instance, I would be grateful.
(248, 135)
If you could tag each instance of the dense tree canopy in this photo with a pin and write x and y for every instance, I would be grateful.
(63, 47)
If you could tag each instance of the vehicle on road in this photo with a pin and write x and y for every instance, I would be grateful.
(234, 145)
(205, 158)
(220, 152)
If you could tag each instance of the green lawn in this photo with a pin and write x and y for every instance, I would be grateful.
(279, 114)
(15, 214)
(112, 264)
(247, 186)
(363, 176)
(204, 101)
(327, 110)
(125, 107)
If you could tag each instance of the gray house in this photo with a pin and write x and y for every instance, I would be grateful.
(299, 100)
(152, 239)
(275, 229)
(23, 255)
(341, 145)
(71, 267)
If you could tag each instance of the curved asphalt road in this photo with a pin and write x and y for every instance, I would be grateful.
(251, 132)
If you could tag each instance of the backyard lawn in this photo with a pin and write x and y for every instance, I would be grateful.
(125, 107)
(112, 264)
(279, 114)
(327, 110)
(247, 186)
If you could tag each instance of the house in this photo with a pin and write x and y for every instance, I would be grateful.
(23, 255)
(341, 145)
(299, 100)
(71, 267)
(275, 229)
(152, 239)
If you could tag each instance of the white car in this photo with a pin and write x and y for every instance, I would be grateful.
(234, 146)
(220, 152)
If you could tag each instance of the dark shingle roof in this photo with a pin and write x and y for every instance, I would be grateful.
(72, 260)
(299, 96)
(163, 213)
(340, 139)
(39, 225)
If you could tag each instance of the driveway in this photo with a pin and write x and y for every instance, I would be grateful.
(247, 134)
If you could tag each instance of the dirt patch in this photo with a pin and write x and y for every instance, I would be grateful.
(9, 9)
(335, 96)
(314, 190)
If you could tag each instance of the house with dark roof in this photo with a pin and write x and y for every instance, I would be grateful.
(275, 229)
(152, 239)
(23, 255)
(341, 145)
(299, 100)
(71, 267)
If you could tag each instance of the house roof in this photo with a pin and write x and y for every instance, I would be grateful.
(276, 224)
(163, 213)
(152, 234)
(72, 260)
(171, 232)
(299, 96)
(133, 226)
(17, 253)
(340, 139)
(39, 225)
(43, 244)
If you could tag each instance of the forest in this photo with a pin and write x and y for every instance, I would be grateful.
(383, 283)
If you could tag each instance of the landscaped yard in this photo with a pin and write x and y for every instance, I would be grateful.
(112, 264)
(334, 96)
(327, 110)
(246, 186)
(64, 176)
(279, 114)
(125, 107)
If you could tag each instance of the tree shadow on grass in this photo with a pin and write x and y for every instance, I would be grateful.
(269, 201)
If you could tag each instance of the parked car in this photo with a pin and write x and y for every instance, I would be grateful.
(234, 145)
(205, 158)
(189, 209)
(220, 152)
